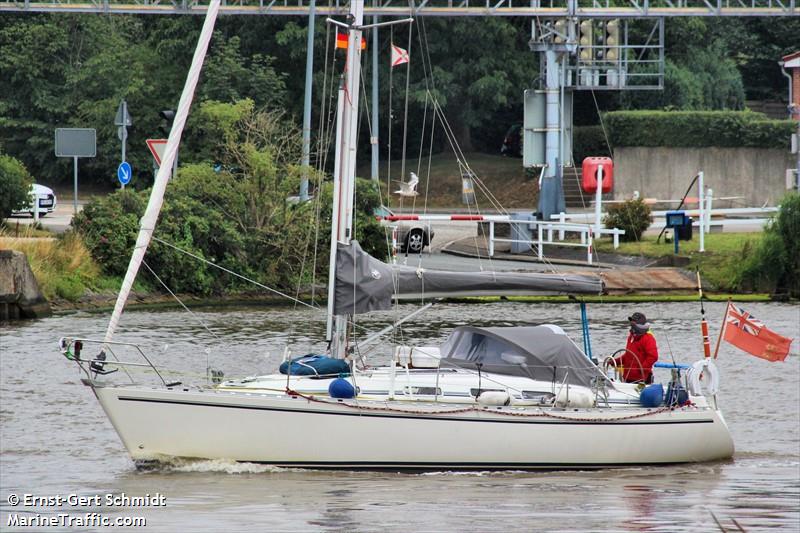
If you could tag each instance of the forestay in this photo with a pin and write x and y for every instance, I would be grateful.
(364, 283)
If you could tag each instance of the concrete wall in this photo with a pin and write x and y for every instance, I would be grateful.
(19, 293)
(758, 174)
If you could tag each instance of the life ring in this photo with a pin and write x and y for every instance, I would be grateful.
(704, 374)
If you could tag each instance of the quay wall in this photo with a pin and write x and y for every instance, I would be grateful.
(20, 296)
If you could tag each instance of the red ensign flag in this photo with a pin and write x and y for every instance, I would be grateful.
(747, 333)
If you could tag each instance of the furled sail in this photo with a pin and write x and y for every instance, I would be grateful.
(150, 217)
(364, 283)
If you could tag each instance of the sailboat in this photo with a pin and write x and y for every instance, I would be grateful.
(522, 397)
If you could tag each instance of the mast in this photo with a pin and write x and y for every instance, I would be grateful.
(345, 168)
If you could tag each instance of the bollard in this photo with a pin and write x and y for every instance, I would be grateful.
(491, 238)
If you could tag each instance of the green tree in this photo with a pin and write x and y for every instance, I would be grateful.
(15, 185)
(774, 265)
(68, 71)
(478, 71)
(228, 76)
(705, 80)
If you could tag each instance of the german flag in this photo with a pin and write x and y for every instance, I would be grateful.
(341, 41)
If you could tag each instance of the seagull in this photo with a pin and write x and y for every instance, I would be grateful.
(410, 188)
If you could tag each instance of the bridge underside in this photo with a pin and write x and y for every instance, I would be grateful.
(432, 8)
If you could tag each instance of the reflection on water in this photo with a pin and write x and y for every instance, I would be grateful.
(55, 439)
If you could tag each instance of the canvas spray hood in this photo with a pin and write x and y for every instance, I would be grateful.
(365, 284)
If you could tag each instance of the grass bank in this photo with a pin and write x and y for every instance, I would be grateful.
(720, 265)
(503, 176)
(62, 265)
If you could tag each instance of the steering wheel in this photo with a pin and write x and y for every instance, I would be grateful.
(610, 361)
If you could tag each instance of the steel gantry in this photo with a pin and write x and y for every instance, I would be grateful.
(431, 8)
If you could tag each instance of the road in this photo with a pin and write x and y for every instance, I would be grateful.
(446, 232)
(58, 221)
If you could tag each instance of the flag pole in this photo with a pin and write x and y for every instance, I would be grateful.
(703, 322)
(722, 329)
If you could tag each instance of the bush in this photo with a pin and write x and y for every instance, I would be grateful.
(15, 185)
(632, 215)
(109, 227)
(775, 264)
(736, 129)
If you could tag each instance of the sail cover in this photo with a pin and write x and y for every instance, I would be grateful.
(538, 352)
(364, 283)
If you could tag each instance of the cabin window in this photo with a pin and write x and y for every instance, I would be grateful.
(422, 391)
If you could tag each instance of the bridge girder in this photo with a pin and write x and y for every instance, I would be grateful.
(428, 8)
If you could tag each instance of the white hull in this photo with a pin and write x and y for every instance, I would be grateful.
(294, 431)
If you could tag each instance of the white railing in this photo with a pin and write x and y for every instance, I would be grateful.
(544, 236)
(707, 218)
(614, 232)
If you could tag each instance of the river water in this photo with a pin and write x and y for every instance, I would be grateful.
(56, 441)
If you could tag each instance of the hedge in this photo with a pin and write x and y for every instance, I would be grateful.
(588, 141)
(733, 129)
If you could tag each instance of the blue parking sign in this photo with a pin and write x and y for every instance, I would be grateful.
(124, 173)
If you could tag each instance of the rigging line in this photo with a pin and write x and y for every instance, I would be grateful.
(315, 228)
(366, 101)
(426, 53)
(194, 316)
(323, 100)
(389, 140)
(177, 299)
(408, 83)
(328, 94)
(461, 159)
(323, 144)
(421, 148)
(602, 125)
(234, 273)
(430, 160)
(428, 68)
(428, 78)
(438, 112)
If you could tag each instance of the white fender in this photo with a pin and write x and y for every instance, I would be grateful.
(494, 398)
(704, 373)
(578, 398)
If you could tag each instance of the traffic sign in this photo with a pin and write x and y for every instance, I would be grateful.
(76, 142)
(124, 173)
(157, 147)
(123, 118)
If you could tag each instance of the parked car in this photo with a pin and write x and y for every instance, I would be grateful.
(412, 236)
(512, 142)
(45, 197)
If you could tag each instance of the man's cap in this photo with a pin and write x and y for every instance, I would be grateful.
(638, 318)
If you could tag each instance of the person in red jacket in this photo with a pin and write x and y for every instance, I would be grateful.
(641, 352)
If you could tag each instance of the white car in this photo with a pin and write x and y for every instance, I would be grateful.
(412, 236)
(44, 196)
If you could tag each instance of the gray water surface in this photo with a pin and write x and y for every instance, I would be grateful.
(55, 439)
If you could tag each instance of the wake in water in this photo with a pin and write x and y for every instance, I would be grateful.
(223, 466)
